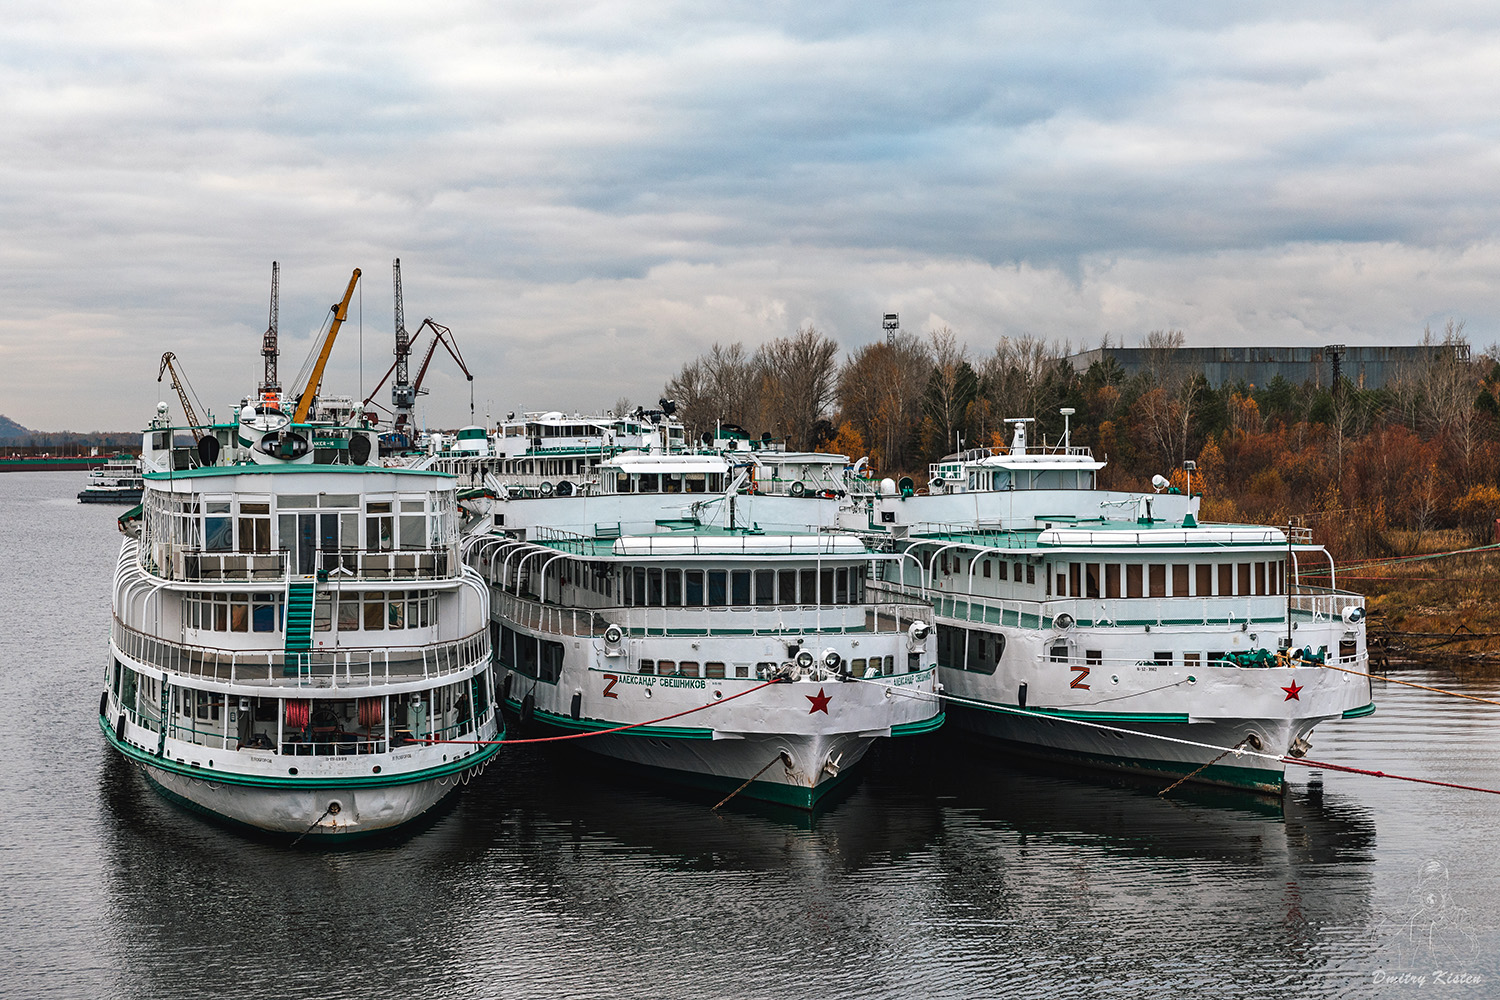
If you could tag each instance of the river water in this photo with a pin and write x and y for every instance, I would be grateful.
(940, 872)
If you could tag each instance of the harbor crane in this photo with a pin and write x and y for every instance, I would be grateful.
(178, 382)
(404, 391)
(269, 383)
(310, 391)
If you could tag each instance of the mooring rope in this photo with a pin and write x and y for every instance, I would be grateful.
(604, 732)
(1205, 767)
(781, 755)
(1424, 687)
(314, 823)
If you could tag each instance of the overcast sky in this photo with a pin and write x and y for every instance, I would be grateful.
(590, 195)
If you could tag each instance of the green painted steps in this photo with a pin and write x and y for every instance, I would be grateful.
(299, 616)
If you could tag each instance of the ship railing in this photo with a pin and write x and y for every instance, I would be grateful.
(311, 669)
(200, 566)
(893, 614)
(1307, 604)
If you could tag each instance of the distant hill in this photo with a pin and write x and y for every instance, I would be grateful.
(10, 430)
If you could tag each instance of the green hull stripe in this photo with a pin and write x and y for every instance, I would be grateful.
(1227, 775)
(925, 726)
(595, 725)
(1360, 713)
(138, 755)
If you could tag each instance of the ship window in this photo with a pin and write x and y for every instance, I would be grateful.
(239, 612)
(1112, 580)
(718, 582)
(1244, 579)
(665, 667)
(1179, 580)
(374, 610)
(1347, 649)
(674, 588)
(638, 590)
(646, 667)
(413, 530)
(1162, 658)
(1030, 573)
(395, 612)
(1260, 578)
(841, 586)
(263, 613)
(857, 667)
(697, 482)
(808, 582)
(1059, 653)
(740, 587)
(653, 587)
(1190, 660)
(890, 664)
(825, 591)
(1062, 585)
(1205, 579)
(1075, 572)
(648, 482)
(1093, 657)
(694, 590)
(671, 484)
(1226, 579)
(765, 586)
(713, 670)
(1158, 580)
(1216, 659)
(218, 535)
(1133, 581)
(1091, 580)
(348, 612)
(788, 583)
(622, 483)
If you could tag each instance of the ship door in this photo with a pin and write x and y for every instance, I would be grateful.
(307, 543)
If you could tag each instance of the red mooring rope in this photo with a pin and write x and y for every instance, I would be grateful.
(1383, 774)
(603, 732)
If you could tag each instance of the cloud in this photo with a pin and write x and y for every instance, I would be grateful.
(591, 194)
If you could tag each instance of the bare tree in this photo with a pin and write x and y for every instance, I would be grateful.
(797, 376)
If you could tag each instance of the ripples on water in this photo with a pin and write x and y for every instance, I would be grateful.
(941, 872)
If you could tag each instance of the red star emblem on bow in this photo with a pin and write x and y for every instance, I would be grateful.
(1291, 692)
(819, 702)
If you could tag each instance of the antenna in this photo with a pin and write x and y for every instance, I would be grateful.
(268, 346)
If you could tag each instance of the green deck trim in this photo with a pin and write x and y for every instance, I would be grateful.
(219, 471)
(572, 725)
(1361, 712)
(925, 726)
(136, 754)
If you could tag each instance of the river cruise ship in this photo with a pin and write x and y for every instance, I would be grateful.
(1114, 629)
(294, 636)
(116, 481)
(734, 658)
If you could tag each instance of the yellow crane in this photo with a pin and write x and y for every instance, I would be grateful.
(340, 313)
(177, 383)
